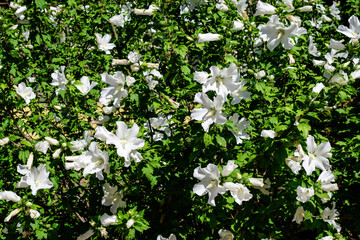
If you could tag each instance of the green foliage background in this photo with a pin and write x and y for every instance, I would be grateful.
(158, 190)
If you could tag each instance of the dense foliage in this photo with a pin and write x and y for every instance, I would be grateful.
(203, 119)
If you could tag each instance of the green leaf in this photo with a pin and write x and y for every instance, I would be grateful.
(220, 140)
(304, 128)
(40, 3)
(148, 172)
(185, 69)
(26, 143)
(208, 140)
(182, 50)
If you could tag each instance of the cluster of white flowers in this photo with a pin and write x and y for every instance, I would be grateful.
(316, 157)
(224, 82)
(211, 183)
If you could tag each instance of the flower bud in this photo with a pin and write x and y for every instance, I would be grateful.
(330, 187)
(52, 141)
(257, 182)
(4, 141)
(57, 153)
(306, 9)
(12, 214)
(120, 62)
(208, 37)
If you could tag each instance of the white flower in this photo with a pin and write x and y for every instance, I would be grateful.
(289, 5)
(107, 220)
(238, 25)
(59, 79)
(112, 198)
(125, 140)
(337, 45)
(222, 81)
(134, 56)
(208, 37)
(211, 111)
(268, 133)
(229, 168)
(293, 165)
(42, 146)
(312, 47)
(261, 185)
(304, 194)
(9, 196)
(171, 237)
(329, 215)
(238, 191)
(25, 92)
(149, 78)
(334, 11)
(340, 78)
(264, 8)
(116, 91)
(4, 141)
(85, 87)
(299, 215)
(355, 75)
(225, 234)
(19, 12)
(275, 32)
(317, 156)
(124, 16)
(158, 126)
(318, 87)
(210, 182)
(34, 213)
(36, 178)
(241, 124)
(260, 74)
(93, 161)
(103, 42)
(353, 32)
(327, 178)
(222, 6)
(240, 94)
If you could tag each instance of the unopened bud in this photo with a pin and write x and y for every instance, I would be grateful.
(57, 153)
(52, 141)
(12, 214)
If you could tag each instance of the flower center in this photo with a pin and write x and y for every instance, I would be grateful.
(123, 141)
(211, 113)
(212, 184)
(37, 182)
(118, 89)
(280, 34)
(99, 162)
(312, 156)
(219, 79)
